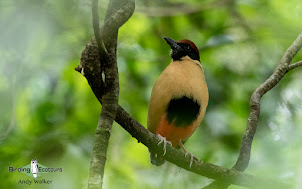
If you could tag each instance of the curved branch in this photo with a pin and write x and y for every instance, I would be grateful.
(245, 150)
(96, 27)
(280, 71)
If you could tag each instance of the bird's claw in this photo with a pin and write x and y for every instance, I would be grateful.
(188, 153)
(192, 158)
(165, 141)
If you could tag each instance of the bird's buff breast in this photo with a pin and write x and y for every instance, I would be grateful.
(180, 78)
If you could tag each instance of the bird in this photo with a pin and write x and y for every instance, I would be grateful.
(179, 98)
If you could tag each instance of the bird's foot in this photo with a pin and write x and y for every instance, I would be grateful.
(188, 153)
(192, 158)
(165, 141)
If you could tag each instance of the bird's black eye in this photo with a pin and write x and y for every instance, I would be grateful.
(187, 47)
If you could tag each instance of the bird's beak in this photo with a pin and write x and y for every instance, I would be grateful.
(173, 44)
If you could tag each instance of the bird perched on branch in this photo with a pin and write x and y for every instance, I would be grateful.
(179, 98)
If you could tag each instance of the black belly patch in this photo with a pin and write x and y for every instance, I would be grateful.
(182, 111)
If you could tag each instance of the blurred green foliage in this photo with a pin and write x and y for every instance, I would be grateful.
(48, 111)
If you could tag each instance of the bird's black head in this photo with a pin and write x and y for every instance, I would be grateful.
(183, 48)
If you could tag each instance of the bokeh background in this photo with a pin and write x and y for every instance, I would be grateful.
(48, 111)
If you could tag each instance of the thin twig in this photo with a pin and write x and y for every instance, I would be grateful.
(294, 65)
(96, 27)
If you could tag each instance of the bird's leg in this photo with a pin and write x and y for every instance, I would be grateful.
(188, 153)
(163, 140)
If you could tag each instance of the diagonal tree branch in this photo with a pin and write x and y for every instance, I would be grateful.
(245, 150)
(177, 157)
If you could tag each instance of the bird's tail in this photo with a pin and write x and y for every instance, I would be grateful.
(156, 159)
